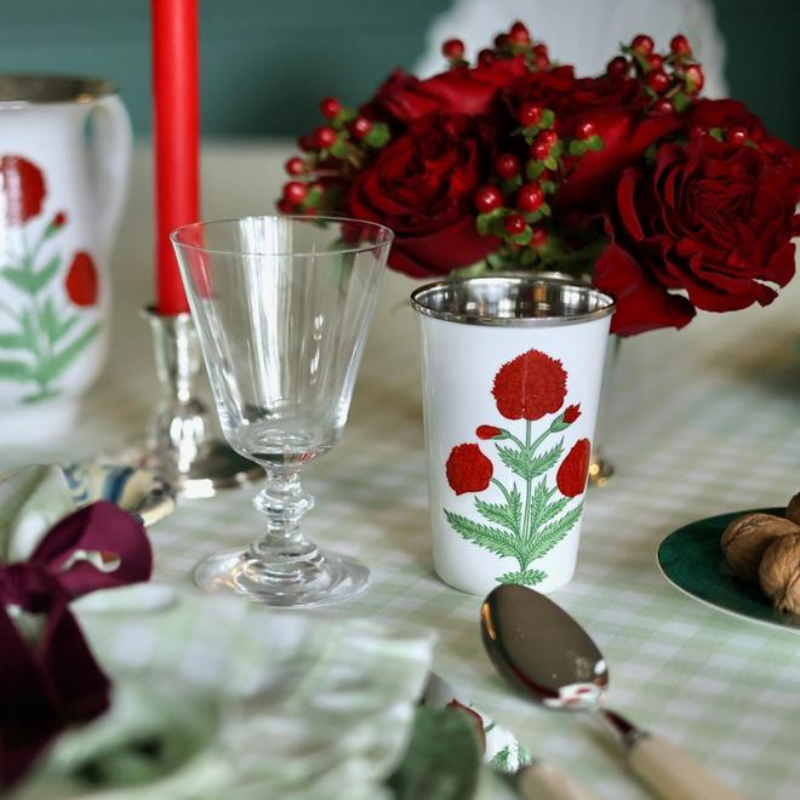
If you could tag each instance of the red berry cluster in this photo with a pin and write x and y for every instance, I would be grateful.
(333, 151)
(736, 134)
(516, 41)
(514, 205)
(670, 79)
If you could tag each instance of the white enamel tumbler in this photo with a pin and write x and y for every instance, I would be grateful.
(511, 373)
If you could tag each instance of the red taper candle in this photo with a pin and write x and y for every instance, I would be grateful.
(176, 136)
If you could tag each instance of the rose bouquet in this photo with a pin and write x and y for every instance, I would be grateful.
(669, 201)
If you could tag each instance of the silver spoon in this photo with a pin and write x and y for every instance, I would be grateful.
(542, 651)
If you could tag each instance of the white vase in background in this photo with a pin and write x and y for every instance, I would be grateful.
(65, 146)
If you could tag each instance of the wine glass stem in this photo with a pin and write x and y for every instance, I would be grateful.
(283, 501)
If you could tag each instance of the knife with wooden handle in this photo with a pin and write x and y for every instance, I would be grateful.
(533, 779)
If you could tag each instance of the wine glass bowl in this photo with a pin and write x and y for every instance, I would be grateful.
(282, 306)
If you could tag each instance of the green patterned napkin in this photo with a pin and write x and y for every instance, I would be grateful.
(215, 696)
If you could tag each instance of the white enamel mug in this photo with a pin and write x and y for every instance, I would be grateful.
(511, 375)
(65, 147)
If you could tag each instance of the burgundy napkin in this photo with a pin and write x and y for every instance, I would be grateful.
(49, 679)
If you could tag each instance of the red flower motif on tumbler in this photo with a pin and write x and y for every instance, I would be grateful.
(82, 284)
(22, 189)
(530, 386)
(468, 469)
(574, 469)
(489, 432)
(571, 413)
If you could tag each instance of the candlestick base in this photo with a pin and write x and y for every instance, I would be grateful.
(180, 447)
(600, 470)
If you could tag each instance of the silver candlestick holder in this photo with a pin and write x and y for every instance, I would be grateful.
(181, 446)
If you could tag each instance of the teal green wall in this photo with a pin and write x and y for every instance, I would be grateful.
(265, 63)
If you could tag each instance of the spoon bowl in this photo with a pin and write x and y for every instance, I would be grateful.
(541, 650)
(545, 654)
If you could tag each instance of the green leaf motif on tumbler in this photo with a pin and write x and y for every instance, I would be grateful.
(48, 330)
(15, 371)
(548, 537)
(53, 367)
(490, 538)
(508, 514)
(525, 522)
(529, 577)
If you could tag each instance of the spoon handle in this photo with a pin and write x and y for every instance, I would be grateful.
(672, 773)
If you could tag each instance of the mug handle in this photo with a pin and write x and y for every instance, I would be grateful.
(112, 148)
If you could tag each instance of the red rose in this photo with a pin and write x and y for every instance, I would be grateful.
(463, 90)
(626, 136)
(544, 88)
(605, 91)
(22, 189)
(643, 304)
(421, 186)
(729, 114)
(564, 94)
(726, 114)
(616, 110)
(574, 469)
(713, 219)
(530, 386)
(489, 432)
(81, 280)
(707, 114)
(468, 469)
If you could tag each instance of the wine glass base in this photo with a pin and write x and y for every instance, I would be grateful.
(334, 579)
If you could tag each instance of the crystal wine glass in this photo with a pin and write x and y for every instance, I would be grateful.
(282, 306)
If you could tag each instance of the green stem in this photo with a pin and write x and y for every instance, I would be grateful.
(502, 489)
(587, 254)
(42, 345)
(36, 248)
(528, 486)
(539, 440)
(10, 311)
(515, 440)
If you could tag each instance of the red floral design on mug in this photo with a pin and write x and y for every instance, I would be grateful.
(574, 470)
(468, 469)
(530, 513)
(22, 189)
(48, 335)
(530, 386)
(81, 282)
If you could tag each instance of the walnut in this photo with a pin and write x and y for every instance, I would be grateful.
(746, 539)
(779, 573)
(793, 509)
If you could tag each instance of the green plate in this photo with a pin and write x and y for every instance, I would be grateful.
(691, 559)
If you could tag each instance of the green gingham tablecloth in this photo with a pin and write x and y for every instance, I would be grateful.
(699, 422)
